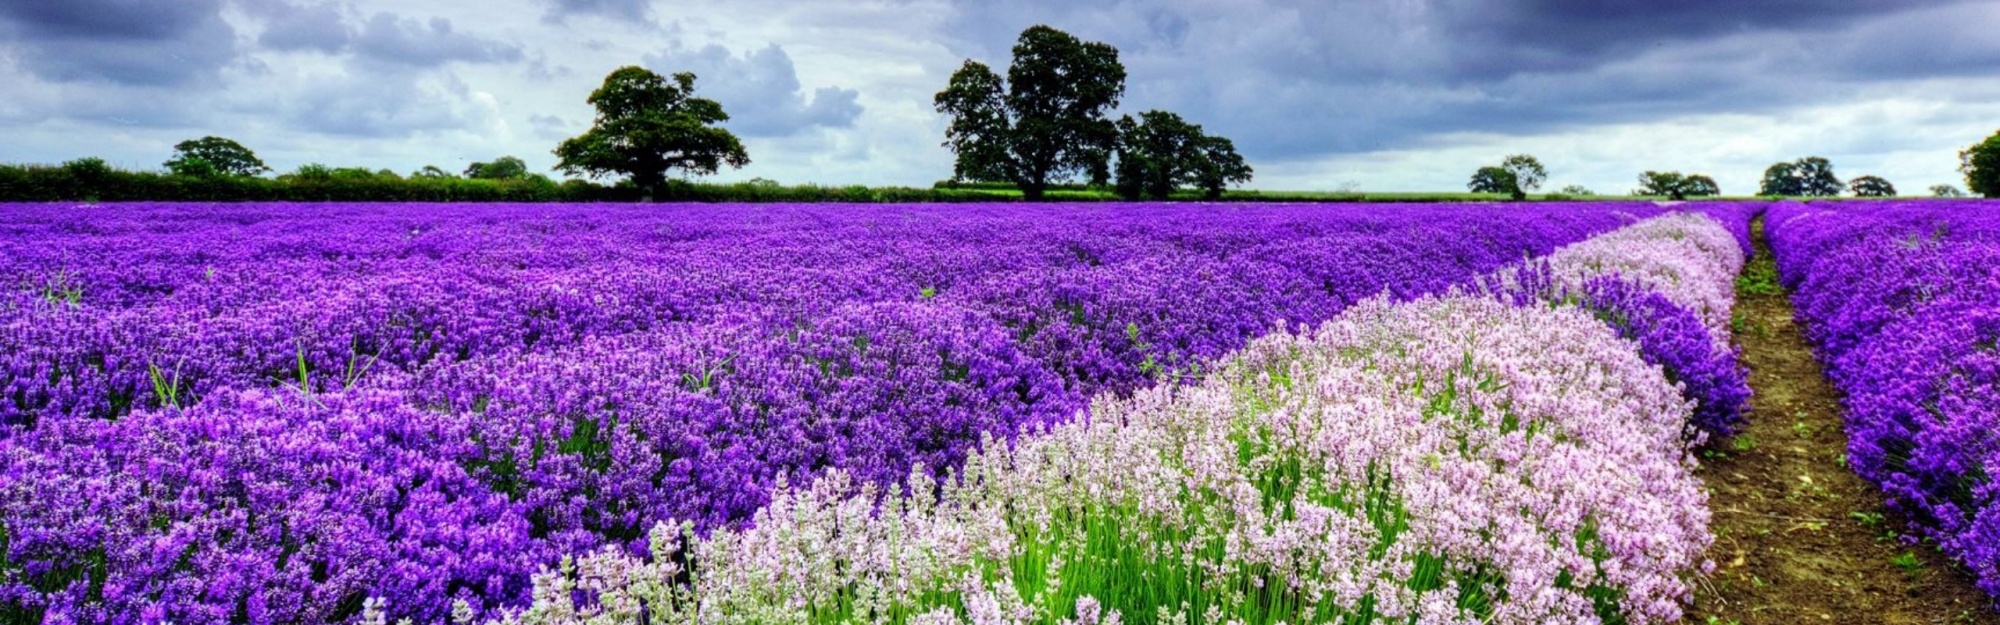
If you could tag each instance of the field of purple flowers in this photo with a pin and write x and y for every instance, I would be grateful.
(1903, 302)
(328, 413)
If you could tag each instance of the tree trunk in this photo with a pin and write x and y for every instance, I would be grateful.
(1032, 190)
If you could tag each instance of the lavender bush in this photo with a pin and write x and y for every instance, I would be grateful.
(1666, 283)
(1902, 301)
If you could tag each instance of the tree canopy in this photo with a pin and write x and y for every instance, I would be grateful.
(1492, 179)
(503, 168)
(1871, 186)
(1945, 190)
(1811, 176)
(210, 156)
(647, 127)
(1159, 153)
(1981, 166)
(1674, 185)
(1045, 123)
(1515, 176)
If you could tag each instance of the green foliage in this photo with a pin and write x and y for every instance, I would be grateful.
(1159, 153)
(1528, 173)
(1811, 176)
(503, 168)
(431, 171)
(1515, 176)
(1912, 566)
(1981, 166)
(1871, 186)
(209, 156)
(1045, 123)
(647, 127)
(193, 167)
(1945, 190)
(1758, 278)
(88, 170)
(311, 172)
(1576, 190)
(1674, 185)
(1491, 179)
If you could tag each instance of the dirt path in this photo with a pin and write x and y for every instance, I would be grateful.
(1799, 537)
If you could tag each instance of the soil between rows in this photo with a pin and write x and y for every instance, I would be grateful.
(1799, 538)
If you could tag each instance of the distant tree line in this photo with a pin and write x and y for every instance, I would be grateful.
(1810, 176)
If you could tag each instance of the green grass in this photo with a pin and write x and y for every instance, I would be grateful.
(1759, 278)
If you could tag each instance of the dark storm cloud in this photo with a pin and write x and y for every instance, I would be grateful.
(406, 41)
(760, 90)
(640, 11)
(137, 42)
(1511, 37)
(309, 27)
(1289, 78)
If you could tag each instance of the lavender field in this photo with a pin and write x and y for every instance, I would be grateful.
(285, 413)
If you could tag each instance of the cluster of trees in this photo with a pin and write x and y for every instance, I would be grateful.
(1047, 123)
(1675, 185)
(1810, 176)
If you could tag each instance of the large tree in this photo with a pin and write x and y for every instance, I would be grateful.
(1981, 166)
(1159, 153)
(1045, 123)
(1811, 176)
(214, 155)
(1515, 176)
(647, 127)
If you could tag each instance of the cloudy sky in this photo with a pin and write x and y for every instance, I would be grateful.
(1317, 94)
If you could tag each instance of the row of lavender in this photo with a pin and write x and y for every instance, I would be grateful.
(426, 405)
(1903, 303)
(317, 404)
(1512, 456)
(161, 305)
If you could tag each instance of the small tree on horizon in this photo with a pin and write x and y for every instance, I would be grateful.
(1871, 186)
(647, 127)
(211, 155)
(1045, 123)
(1945, 190)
